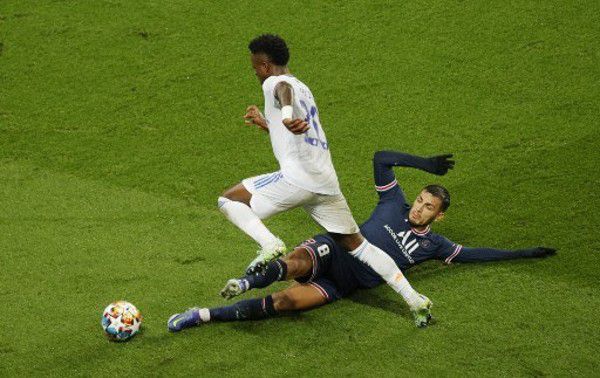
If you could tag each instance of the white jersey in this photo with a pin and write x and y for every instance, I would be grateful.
(304, 159)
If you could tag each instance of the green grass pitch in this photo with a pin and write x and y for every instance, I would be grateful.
(120, 124)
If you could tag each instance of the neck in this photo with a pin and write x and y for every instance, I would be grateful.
(280, 70)
(418, 228)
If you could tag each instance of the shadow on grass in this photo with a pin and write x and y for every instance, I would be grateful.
(257, 327)
(378, 300)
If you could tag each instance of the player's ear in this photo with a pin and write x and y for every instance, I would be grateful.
(267, 66)
(439, 216)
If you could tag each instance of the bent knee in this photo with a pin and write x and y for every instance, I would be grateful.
(284, 302)
(229, 193)
(298, 262)
(237, 193)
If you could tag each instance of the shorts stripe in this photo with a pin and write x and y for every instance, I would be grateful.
(313, 257)
(263, 179)
(321, 290)
(273, 179)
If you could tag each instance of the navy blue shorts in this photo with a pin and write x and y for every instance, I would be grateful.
(330, 274)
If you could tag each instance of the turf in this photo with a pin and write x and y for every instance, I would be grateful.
(120, 124)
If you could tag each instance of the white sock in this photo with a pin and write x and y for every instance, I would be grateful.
(242, 216)
(386, 267)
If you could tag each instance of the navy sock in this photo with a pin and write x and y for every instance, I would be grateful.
(275, 271)
(248, 309)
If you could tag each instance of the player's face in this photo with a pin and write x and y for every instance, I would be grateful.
(261, 65)
(426, 209)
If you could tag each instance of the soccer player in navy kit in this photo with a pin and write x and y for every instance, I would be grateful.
(402, 231)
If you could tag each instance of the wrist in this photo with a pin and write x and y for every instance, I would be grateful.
(287, 112)
(431, 164)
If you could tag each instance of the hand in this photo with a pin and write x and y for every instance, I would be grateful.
(296, 126)
(441, 164)
(253, 116)
(541, 252)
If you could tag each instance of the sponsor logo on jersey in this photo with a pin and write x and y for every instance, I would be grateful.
(404, 243)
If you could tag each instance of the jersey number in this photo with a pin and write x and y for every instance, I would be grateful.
(312, 118)
(323, 250)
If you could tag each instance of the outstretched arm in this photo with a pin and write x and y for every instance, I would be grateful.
(453, 252)
(467, 255)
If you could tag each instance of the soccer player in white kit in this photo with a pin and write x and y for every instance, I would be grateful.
(306, 177)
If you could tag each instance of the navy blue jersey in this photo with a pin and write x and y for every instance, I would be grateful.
(388, 228)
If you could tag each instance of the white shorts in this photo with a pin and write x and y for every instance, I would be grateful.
(273, 194)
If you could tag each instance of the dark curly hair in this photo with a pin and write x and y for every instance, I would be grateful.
(441, 193)
(272, 46)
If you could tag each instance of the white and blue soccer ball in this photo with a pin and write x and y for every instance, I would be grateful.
(121, 321)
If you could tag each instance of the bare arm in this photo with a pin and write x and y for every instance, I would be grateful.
(284, 93)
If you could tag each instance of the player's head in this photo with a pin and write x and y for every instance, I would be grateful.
(267, 53)
(429, 206)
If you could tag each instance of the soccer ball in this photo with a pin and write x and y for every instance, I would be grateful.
(121, 321)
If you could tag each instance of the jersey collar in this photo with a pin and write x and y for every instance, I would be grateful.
(421, 233)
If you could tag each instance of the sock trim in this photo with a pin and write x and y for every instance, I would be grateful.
(361, 248)
(282, 270)
(268, 306)
(222, 201)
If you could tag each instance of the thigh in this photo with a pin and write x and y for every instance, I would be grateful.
(298, 298)
(273, 194)
(299, 263)
(333, 214)
(332, 268)
(319, 250)
(255, 183)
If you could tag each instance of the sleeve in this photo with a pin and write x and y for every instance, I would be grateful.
(448, 250)
(268, 87)
(269, 84)
(452, 252)
(383, 163)
(386, 184)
